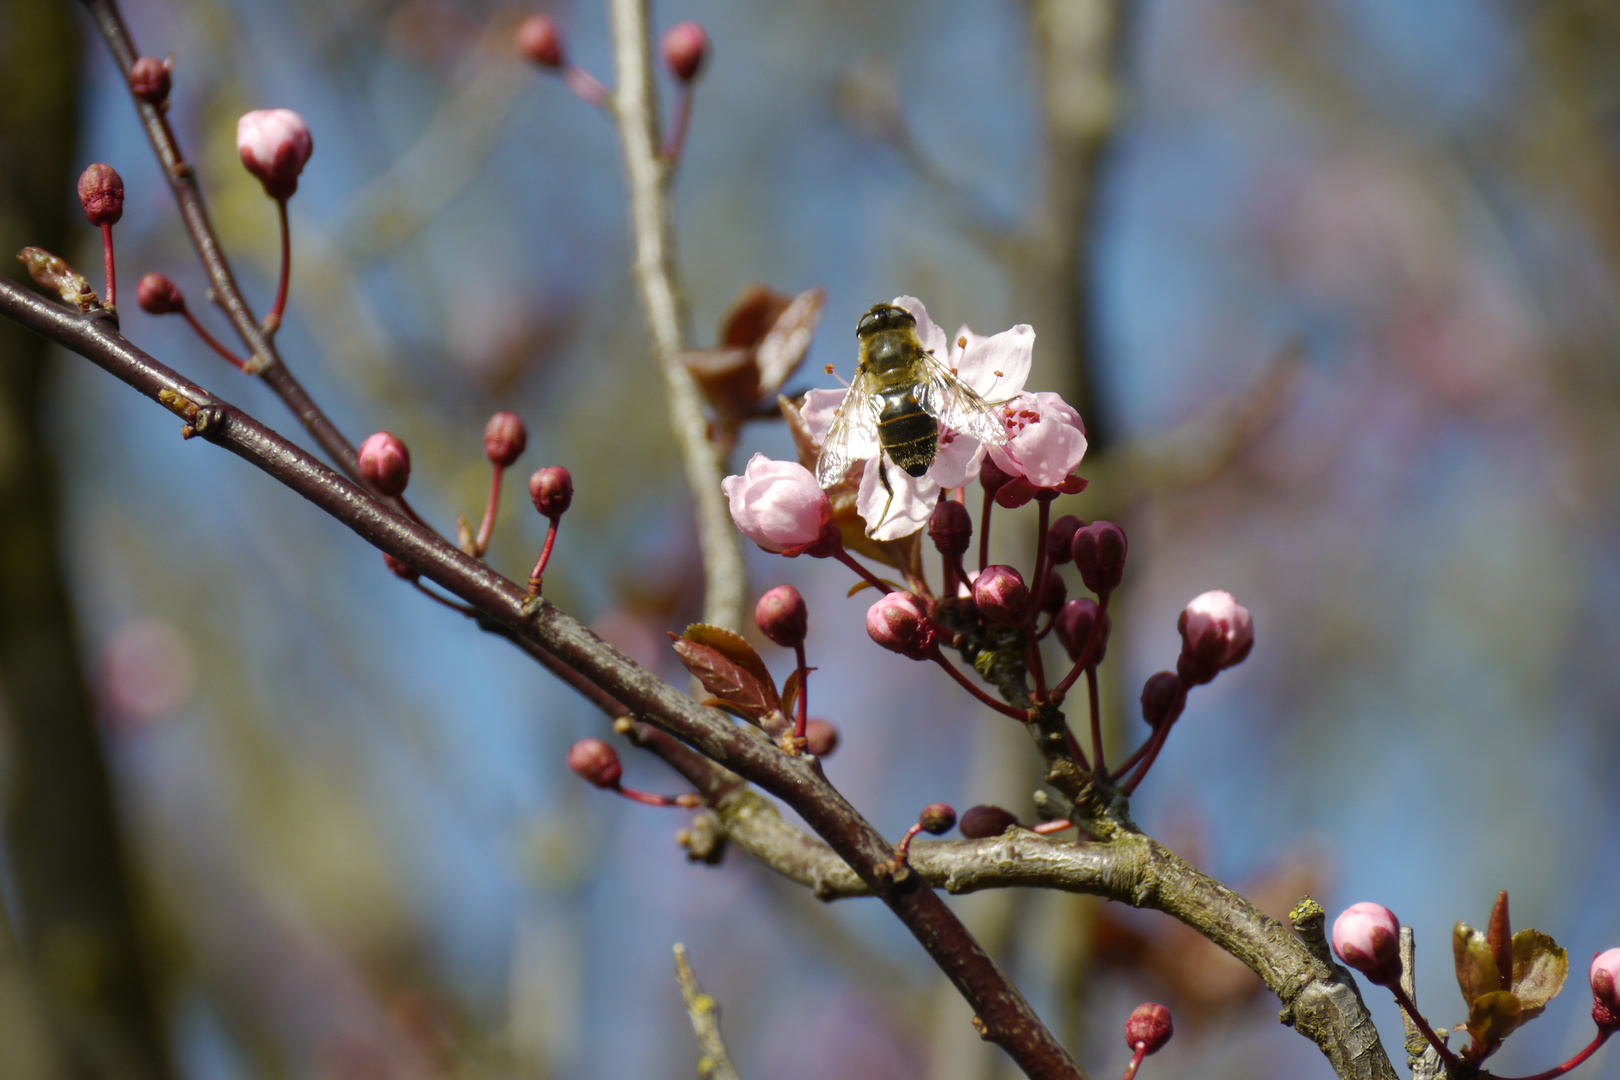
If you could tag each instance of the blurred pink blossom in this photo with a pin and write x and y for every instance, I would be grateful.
(777, 504)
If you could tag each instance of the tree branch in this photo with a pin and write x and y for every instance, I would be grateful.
(715, 1064)
(663, 298)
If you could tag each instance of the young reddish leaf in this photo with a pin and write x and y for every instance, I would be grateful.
(1539, 970)
(1499, 936)
(785, 343)
(1476, 966)
(726, 679)
(790, 691)
(735, 646)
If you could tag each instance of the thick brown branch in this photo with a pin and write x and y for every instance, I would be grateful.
(1002, 1014)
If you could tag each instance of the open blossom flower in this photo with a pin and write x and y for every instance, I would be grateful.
(778, 504)
(1045, 440)
(994, 367)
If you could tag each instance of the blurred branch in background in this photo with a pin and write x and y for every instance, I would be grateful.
(75, 910)
(715, 1064)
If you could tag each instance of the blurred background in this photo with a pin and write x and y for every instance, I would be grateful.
(1333, 282)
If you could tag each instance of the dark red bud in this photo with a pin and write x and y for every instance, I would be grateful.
(936, 818)
(821, 738)
(101, 193)
(992, 478)
(385, 463)
(157, 295)
(1159, 696)
(1001, 595)
(1148, 1028)
(541, 40)
(1060, 539)
(950, 527)
(596, 762)
(149, 80)
(504, 438)
(981, 822)
(685, 47)
(1073, 628)
(1099, 553)
(551, 490)
(781, 616)
(1057, 591)
(399, 569)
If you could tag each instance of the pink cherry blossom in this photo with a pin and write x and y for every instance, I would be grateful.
(275, 145)
(1367, 937)
(899, 622)
(1045, 439)
(1217, 632)
(778, 504)
(994, 367)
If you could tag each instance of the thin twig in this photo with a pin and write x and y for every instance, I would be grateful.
(663, 298)
(715, 1064)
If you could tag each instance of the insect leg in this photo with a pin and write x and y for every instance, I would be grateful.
(883, 478)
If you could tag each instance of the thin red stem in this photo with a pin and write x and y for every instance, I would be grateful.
(984, 531)
(1155, 743)
(801, 715)
(1423, 1026)
(1096, 719)
(1592, 1048)
(1125, 766)
(1042, 563)
(545, 557)
(1032, 657)
(211, 341)
(585, 86)
(1075, 752)
(1000, 706)
(272, 321)
(647, 798)
(1136, 1061)
(675, 145)
(459, 609)
(1084, 659)
(903, 848)
(486, 528)
(108, 266)
(871, 579)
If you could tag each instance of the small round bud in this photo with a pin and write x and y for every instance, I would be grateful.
(596, 762)
(275, 145)
(551, 490)
(1001, 595)
(1159, 696)
(992, 477)
(157, 295)
(1217, 632)
(541, 40)
(1073, 629)
(399, 569)
(950, 527)
(1099, 553)
(101, 193)
(936, 818)
(781, 616)
(899, 623)
(821, 738)
(1060, 539)
(1148, 1028)
(980, 822)
(1367, 937)
(685, 47)
(1605, 978)
(504, 438)
(149, 80)
(1057, 592)
(385, 463)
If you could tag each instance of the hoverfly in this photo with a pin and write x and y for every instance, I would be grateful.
(906, 397)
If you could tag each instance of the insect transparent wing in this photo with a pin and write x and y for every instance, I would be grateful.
(854, 426)
(955, 404)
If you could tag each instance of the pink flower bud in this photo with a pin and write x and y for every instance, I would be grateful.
(778, 504)
(1060, 539)
(1605, 977)
(821, 738)
(596, 762)
(1216, 633)
(1148, 1028)
(899, 623)
(101, 193)
(936, 818)
(685, 47)
(385, 463)
(149, 80)
(275, 145)
(541, 40)
(1073, 628)
(782, 617)
(1367, 937)
(399, 569)
(504, 438)
(950, 527)
(157, 295)
(1001, 595)
(980, 822)
(551, 490)
(1159, 697)
(1099, 553)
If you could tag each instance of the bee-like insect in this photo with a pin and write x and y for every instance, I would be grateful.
(904, 396)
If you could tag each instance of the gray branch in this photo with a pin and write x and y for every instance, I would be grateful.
(715, 1064)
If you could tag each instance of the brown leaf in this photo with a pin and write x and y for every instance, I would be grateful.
(1540, 967)
(734, 645)
(785, 343)
(727, 680)
(751, 316)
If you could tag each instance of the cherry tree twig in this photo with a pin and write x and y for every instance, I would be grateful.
(663, 298)
(1002, 1014)
(715, 1064)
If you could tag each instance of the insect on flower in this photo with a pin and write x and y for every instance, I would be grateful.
(904, 398)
